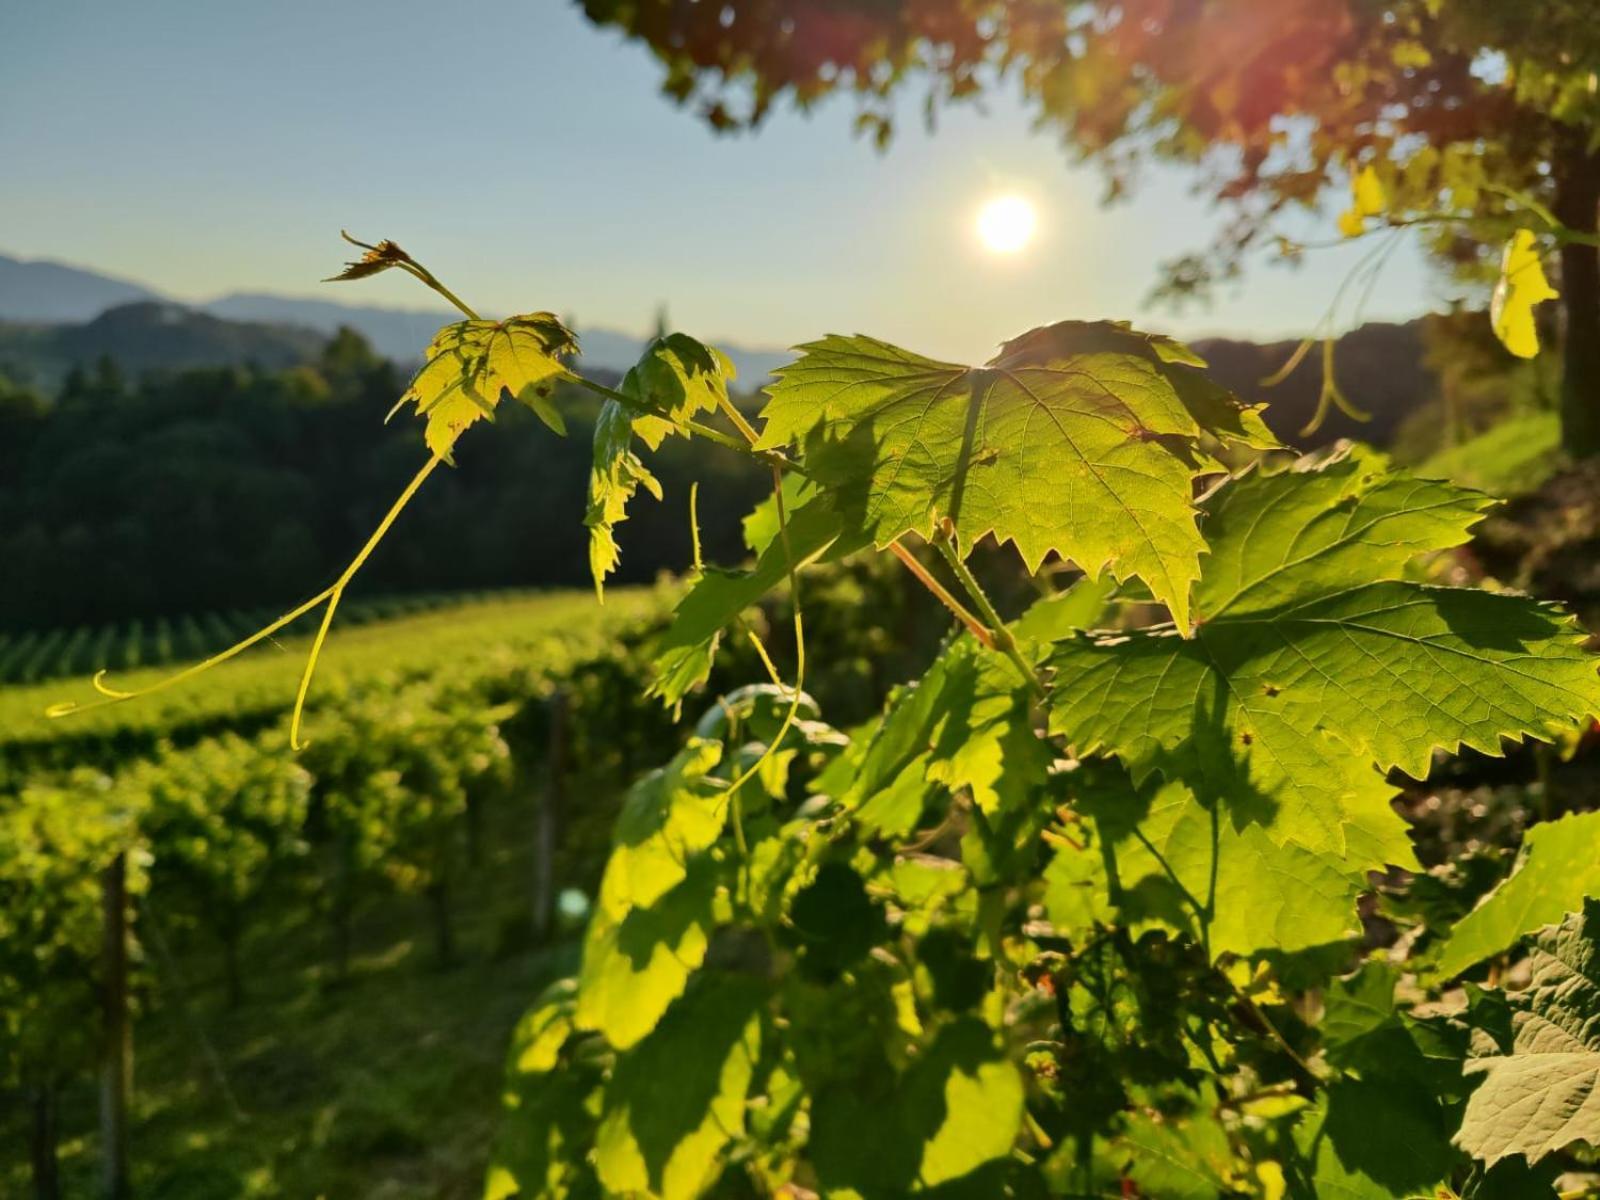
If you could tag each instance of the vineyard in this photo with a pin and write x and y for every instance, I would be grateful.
(35, 656)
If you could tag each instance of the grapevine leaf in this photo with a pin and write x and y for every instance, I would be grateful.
(669, 816)
(654, 910)
(377, 258)
(678, 1098)
(1544, 1094)
(1082, 606)
(1522, 285)
(957, 1109)
(548, 1123)
(1175, 855)
(539, 1036)
(617, 475)
(1556, 870)
(1077, 438)
(684, 652)
(1325, 523)
(1310, 672)
(1178, 1160)
(1376, 1141)
(676, 378)
(633, 968)
(470, 363)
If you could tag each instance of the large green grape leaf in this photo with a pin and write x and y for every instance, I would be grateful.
(635, 966)
(1558, 868)
(469, 364)
(677, 1099)
(1544, 1094)
(1175, 855)
(1313, 668)
(956, 1109)
(674, 379)
(1178, 1159)
(1077, 438)
(1376, 1141)
(654, 910)
(670, 815)
(549, 1123)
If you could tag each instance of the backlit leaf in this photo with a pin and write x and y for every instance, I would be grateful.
(1314, 668)
(678, 1098)
(1077, 438)
(1559, 866)
(471, 363)
(1522, 285)
(674, 379)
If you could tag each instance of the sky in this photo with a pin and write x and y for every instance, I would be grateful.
(529, 159)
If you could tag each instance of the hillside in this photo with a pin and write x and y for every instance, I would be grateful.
(150, 335)
(1379, 366)
(44, 291)
(39, 293)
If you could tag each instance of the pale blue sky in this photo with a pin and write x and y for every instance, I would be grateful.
(204, 146)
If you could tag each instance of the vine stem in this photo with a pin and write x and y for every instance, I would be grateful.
(1002, 639)
(336, 592)
(329, 595)
(924, 576)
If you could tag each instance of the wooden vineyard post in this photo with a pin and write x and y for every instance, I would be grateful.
(547, 819)
(116, 1075)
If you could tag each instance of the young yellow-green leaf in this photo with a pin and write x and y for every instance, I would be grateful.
(1367, 199)
(618, 473)
(1077, 438)
(633, 968)
(674, 379)
(1544, 1094)
(1313, 668)
(1522, 285)
(654, 909)
(677, 1100)
(469, 364)
(669, 816)
(1559, 866)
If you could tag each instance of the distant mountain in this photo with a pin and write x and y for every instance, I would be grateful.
(150, 335)
(401, 333)
(40, 290)
(1380, 368)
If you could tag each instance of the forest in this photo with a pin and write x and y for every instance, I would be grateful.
(1133, 765)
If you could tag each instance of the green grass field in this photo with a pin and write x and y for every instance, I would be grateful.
(532, 630)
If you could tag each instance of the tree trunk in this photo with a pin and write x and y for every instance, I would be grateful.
(444, 940)
(42, 1144)
(116, 1076)
(1577, 206)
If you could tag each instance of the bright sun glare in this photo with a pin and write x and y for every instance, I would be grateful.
(1006, 224)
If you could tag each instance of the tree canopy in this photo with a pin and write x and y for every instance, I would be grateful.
(1474, 114)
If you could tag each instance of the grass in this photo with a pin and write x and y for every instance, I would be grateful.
(533, 629)
(1514, 457)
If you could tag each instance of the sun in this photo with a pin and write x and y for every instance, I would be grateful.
(1006, 224)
